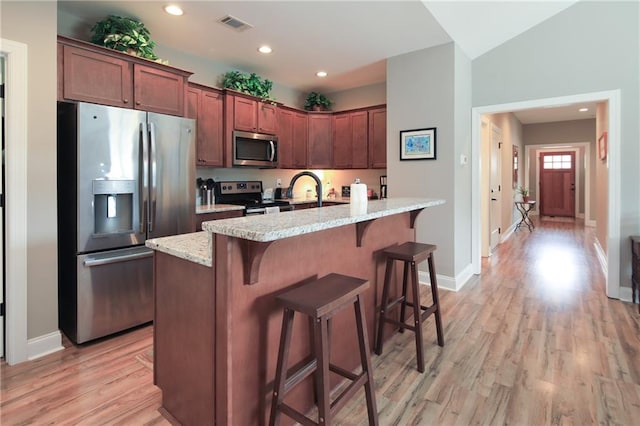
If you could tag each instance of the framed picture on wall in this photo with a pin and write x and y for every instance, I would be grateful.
(602, 146)
(418, 144)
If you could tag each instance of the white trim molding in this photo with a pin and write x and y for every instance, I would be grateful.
(601, 255)
(446, 282)
(44, 345)
(16, 200)
(612, 97)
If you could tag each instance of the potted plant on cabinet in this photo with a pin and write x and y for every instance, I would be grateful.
(251, 84)
(125, 35)
(317, 102)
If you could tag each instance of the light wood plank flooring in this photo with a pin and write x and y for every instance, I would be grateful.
(533, 341)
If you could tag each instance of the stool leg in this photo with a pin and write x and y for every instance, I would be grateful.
(365, 359)
(403, 304)
(321, 353)
(436, 299)
(417, 316)
(281, 367)
(383, 305)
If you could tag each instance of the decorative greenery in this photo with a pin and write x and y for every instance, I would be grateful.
(317, 99)
(124, 34)
(251, 84)
(524, 191)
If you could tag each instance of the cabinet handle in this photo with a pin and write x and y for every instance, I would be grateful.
(126, 101)
(138, 103)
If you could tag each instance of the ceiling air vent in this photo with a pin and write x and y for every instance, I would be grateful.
(235, 23)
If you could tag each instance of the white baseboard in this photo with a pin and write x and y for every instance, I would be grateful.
(44, 345)
(446, 282)
(625, 294)
(590, 223)
(504, 237)
(602, 257)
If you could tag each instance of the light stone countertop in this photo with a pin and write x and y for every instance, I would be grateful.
(195, 246)
(272, 227)
(217, 208)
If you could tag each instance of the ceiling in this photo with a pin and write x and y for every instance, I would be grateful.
(351, 40)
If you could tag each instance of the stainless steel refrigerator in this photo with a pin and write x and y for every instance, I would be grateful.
(123, 176)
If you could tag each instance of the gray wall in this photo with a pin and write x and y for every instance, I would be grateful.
(589, 47)
(34, 24)
(420, 94)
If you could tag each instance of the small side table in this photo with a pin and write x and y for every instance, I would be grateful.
(524, 208)
(635, 268)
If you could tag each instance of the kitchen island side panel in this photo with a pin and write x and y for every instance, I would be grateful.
(246, 369)
(184, 309)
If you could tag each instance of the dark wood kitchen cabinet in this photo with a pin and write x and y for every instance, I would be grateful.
(206, 217)
(251, 115)
(378, 138)
(99, 75)
(292, 139)
(205, 104)
(350, 140)
(319, 144)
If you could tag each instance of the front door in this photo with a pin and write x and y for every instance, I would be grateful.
(557, 184)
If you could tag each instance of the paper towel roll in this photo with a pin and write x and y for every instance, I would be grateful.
(358, 192)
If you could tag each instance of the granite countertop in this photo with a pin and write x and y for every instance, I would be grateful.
(271, 227)
(195, 246)
(217, 208)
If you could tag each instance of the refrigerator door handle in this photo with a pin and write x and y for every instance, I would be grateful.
(154, 174)
(144, 176)
(106, 260)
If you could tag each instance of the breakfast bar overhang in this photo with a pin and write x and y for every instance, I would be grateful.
(216, 322)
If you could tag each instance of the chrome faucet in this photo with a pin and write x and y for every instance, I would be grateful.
(318, 185)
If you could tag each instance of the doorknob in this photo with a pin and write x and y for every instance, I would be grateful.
(494, 199)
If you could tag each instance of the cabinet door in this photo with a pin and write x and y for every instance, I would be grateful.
(378, 138)
(92, 77)
(158, 91)
(244, 114)
(319, 144)
(267, 118)
(342, 148)
(210, 126)
(360, 140)
(285, 139)
(300, 140)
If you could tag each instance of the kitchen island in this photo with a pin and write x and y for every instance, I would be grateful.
(217, 325)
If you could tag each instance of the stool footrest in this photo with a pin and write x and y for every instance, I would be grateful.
(341, 371)
(345, 396)
(295, 377)
(431, 309)
(394, 302)
(296, 415)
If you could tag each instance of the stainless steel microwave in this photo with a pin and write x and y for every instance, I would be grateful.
(255, 150)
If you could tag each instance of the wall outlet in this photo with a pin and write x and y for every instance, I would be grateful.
(278, 183)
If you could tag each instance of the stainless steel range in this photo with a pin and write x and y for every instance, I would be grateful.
(248, 194)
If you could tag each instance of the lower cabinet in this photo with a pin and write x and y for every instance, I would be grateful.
(206, 217)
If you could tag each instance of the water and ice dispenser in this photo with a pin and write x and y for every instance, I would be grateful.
(113, 206)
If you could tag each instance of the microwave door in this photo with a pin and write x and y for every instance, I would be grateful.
(255, 152)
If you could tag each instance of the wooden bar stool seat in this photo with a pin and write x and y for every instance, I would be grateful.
(411, 253)
(320, 300)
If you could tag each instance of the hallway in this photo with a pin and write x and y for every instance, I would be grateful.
(533, 341)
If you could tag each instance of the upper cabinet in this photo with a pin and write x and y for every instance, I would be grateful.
(319, 144)
(292, 139)
(206, 106)
(95, 74)
(251, 115)
(350, 140)
(378, 138)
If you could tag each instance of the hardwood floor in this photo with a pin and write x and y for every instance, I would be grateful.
(534, 340)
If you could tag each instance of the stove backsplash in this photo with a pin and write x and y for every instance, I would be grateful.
(269, 177)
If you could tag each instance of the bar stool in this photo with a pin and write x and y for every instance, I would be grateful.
(320, 300)
(410, 253)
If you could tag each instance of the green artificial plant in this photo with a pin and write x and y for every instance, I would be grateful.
(318, 100)
(251, 84)
(125, 35)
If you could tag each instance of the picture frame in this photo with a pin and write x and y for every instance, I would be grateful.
(602, 146)
(418, 144)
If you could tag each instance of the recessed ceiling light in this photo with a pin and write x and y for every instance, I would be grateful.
(583, 109)
(174, 10)
(264, 49)
(321, 73)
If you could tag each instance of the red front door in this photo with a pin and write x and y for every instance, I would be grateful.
(557, 184)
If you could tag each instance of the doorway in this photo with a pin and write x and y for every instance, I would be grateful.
(495, 187)
(557, 184)
(613, 239)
